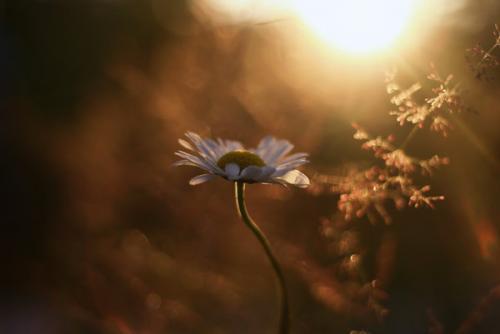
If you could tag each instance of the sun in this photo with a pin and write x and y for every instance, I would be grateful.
(357, 26)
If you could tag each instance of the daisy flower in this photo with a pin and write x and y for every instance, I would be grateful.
(269, 162)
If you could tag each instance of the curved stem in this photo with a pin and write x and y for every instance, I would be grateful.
(239, 190)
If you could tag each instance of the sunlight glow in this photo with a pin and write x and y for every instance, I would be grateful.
(237, 11)
(356, 26)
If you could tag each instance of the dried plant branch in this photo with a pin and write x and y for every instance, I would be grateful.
(435, 110)
(482, 61)
(367, 192)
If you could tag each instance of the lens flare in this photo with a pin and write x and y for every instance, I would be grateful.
(356, 26)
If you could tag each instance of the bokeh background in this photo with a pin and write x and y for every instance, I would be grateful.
(100, 234)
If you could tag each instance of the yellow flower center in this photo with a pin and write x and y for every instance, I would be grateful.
(242, 158)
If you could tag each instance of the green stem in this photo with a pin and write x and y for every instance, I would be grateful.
(239, 190)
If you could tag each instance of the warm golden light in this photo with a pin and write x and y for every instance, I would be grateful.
(356, 26)
(237, 11)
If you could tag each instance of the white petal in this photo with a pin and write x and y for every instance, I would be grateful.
(233, 145)
(295, 156)
(281, 149)
(272, 150)
(232, 171)
(264, 147)
(204, 149)
(282, 169)
(185, 144)
(266, 173)
(201, 179)
(265, 142)
(226, 146)
(200, 162)
(251, 173)
(295, 178)
(184, 162)
(215, 147)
